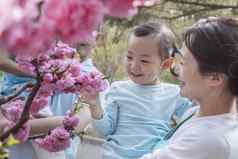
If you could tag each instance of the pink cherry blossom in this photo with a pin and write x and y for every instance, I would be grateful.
(46, 90)
(57, 140)
(9, 13)
(73, 20)
(38, 104)
(120, 8)
(48, 77)
(17, 37)
(145, 3)
(23, 134)
(14, 109)
(92, 82)
(70, 121)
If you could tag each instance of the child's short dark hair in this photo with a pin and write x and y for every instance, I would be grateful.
(166, 37)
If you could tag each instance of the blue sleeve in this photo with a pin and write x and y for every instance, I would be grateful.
(107, 125)
(182, 105)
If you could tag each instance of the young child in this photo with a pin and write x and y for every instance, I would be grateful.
(138, 112)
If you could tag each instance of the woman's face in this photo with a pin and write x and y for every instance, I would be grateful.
(193, 83)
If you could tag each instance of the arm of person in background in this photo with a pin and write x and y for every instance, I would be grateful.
(84, 119)
(10, 66)
(44, 124)
(38, 126)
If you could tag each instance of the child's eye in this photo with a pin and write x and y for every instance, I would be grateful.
(129, 57)
(145, 61)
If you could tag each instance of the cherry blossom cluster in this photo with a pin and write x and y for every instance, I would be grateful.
(30, 26)
(57, 71)
(59, 138)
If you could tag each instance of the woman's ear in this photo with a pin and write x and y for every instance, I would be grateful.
(166, 64)
(215, 79)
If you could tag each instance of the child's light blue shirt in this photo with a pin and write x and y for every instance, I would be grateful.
(137, 117)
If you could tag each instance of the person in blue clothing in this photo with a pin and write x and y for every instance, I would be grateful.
(7, 65)
(15, 77)
(62, 102)
(138, 112)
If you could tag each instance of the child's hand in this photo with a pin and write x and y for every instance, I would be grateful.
(89, 98)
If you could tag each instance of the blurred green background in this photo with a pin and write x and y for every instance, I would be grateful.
(108, 56)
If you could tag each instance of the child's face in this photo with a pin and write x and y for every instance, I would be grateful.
(143, 60)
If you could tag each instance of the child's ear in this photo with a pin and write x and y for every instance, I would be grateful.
(166, 64)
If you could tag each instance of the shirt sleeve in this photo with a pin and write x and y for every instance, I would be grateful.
(190, 146)
(107, 125)
(182, 105)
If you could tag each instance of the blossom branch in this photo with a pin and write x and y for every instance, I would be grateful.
(6, 99)
(26, 111)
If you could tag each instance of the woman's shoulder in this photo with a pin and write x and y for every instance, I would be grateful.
(206, 136)
(212, 130)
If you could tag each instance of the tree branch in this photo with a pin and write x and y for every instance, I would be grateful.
(6, 99)
(25, 114)
(26, 111)
(204, 4)
(193, 12)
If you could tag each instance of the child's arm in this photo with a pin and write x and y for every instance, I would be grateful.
(105, 121)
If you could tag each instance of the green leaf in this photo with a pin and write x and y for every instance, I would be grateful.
(11, 141)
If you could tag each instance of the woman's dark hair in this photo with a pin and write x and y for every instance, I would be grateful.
(164, 35)
(214, 44)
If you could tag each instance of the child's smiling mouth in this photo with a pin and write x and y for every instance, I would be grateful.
(136, 75)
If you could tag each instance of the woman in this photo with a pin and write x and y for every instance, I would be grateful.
(209, 75)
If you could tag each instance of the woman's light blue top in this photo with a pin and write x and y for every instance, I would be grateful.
(137, 117)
